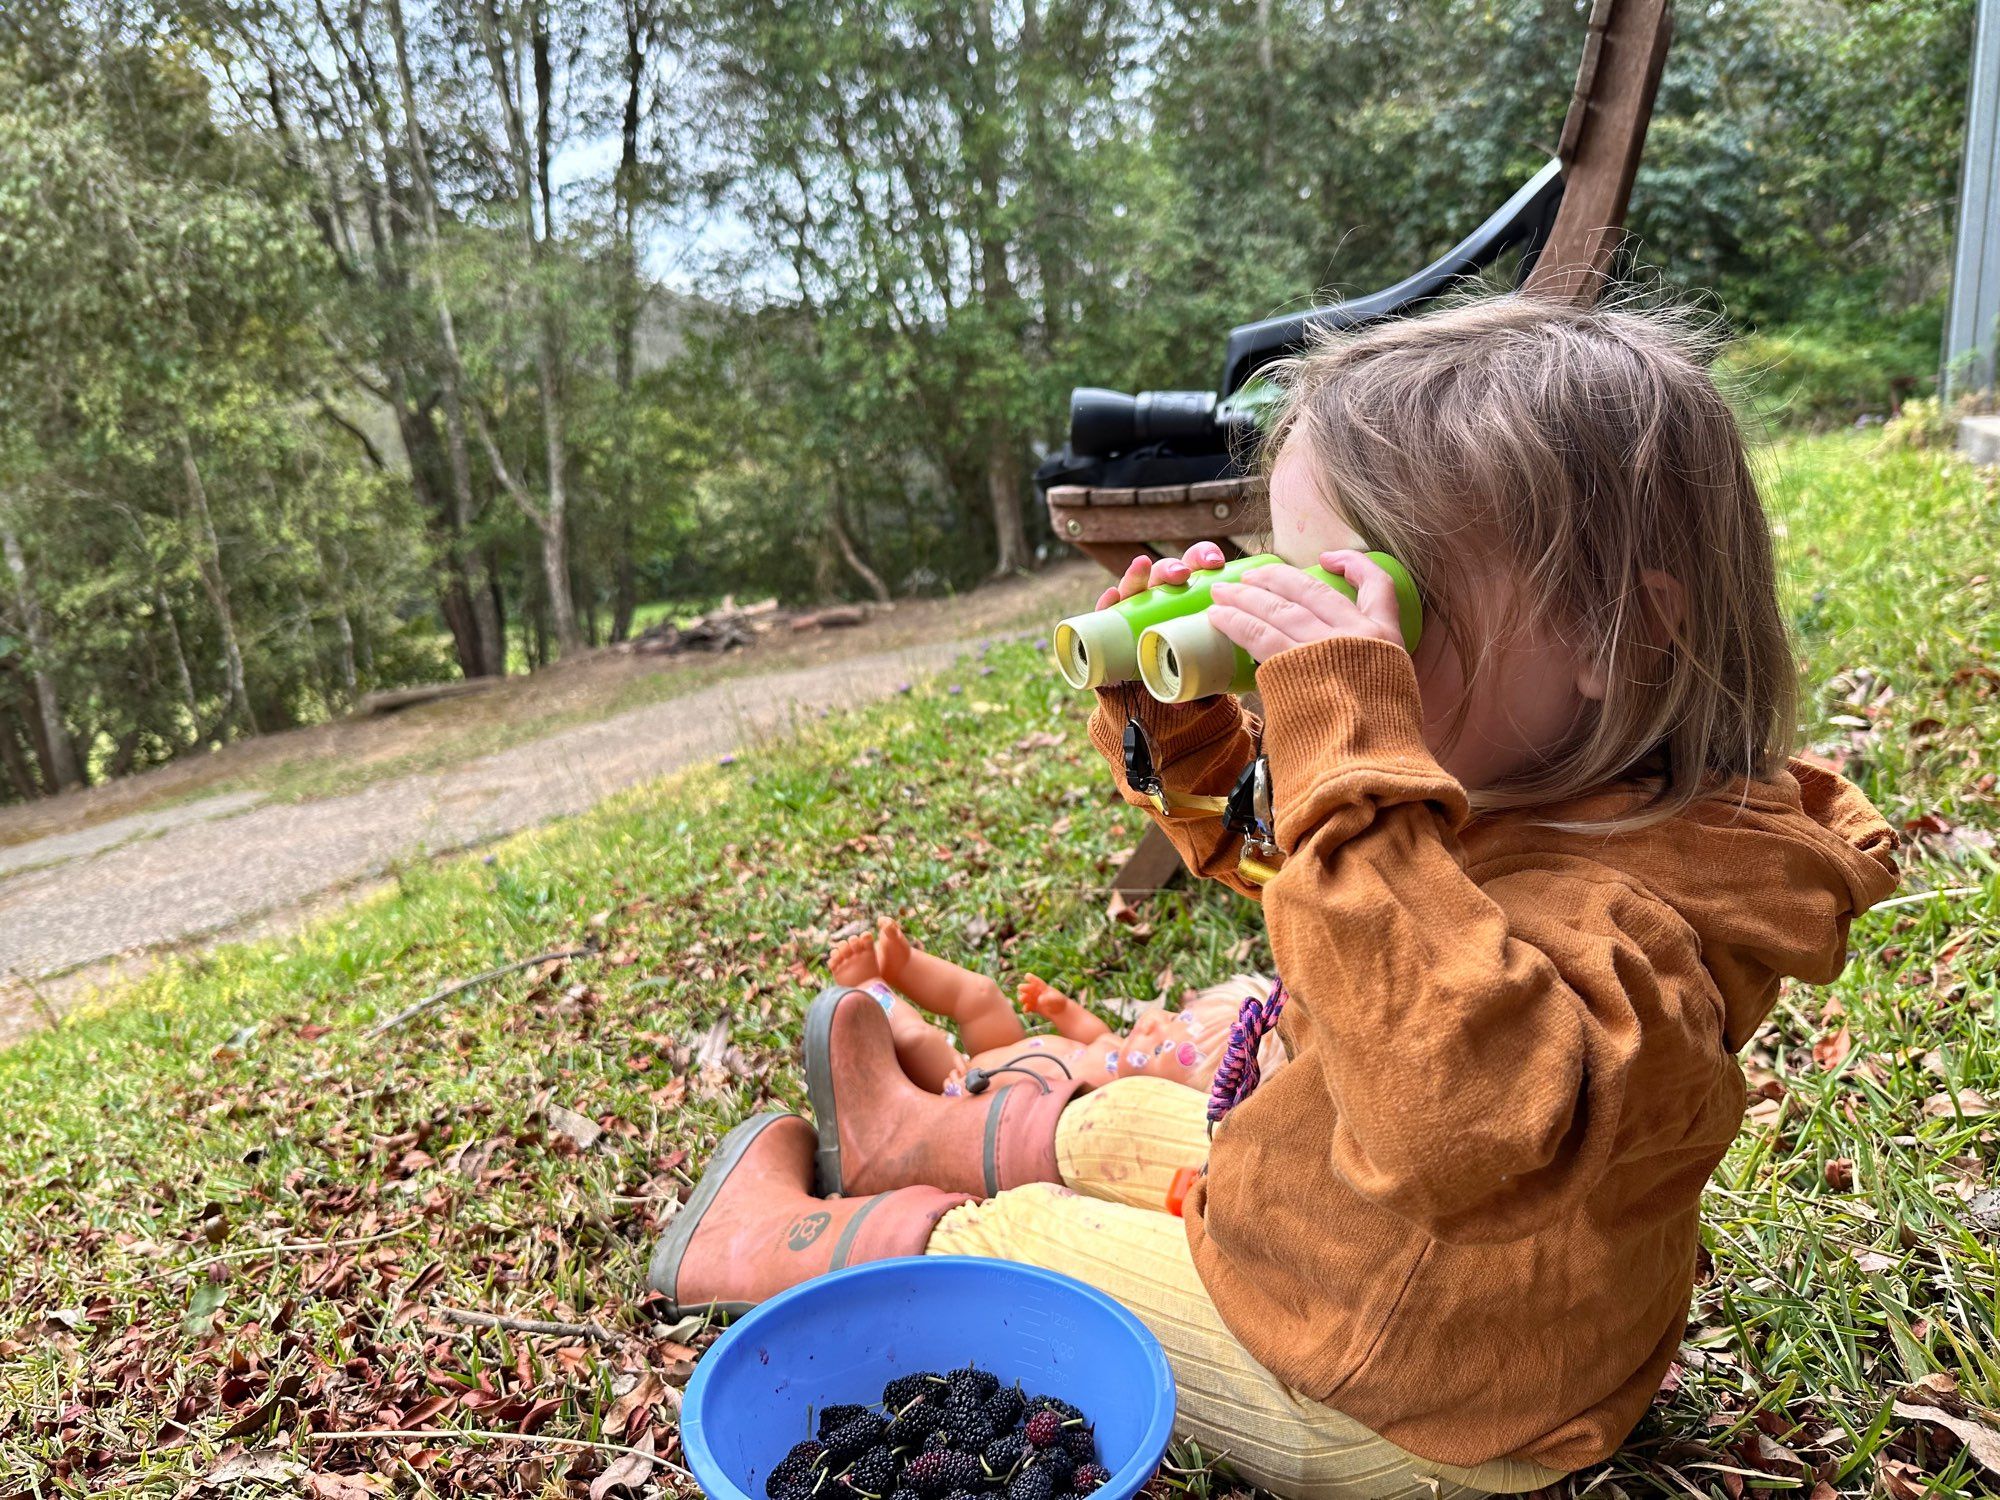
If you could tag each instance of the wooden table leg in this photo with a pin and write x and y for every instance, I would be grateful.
(1154, 865)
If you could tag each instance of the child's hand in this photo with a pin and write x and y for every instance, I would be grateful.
(1276, 608)
(1146, 573)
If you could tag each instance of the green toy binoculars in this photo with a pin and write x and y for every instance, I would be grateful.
(1163, 636)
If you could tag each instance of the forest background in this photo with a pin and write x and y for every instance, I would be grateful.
(352, 343)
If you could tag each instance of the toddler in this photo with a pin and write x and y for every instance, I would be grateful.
(1541, 883)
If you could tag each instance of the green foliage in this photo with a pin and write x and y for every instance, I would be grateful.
(1797, 376)
(234, 238)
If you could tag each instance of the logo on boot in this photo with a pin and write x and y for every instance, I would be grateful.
(807, 1228)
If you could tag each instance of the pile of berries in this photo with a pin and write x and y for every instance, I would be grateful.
(961, 1436)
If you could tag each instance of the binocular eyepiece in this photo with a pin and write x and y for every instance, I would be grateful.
(1105, 423)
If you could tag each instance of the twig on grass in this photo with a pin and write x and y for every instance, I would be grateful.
(431, 1435)
(595, 1332)
(1916, 896)
(251, 1252)
(458, 986)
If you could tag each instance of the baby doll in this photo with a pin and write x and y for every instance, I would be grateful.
(1183, 1046)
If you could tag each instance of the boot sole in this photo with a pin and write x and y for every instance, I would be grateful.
(819, 1087)
(826, 1119)
(665, 1270)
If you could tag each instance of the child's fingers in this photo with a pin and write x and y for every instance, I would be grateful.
(1327, 605)
(1260, 638)
(1261, 594)
(1168, 570)
(1203, 556)
(1374, 589)
(1132, 581)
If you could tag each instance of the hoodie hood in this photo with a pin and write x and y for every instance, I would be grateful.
(1769, 876)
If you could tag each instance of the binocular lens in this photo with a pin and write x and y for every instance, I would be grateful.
(1104, 422)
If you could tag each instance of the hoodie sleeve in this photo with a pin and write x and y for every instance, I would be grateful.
(1478, 1038)
(1199, 748)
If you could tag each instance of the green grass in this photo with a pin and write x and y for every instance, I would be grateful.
(232, 1105)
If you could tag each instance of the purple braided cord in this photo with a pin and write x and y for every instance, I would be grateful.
(1238, 1076)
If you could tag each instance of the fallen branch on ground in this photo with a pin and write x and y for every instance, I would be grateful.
(458, 986)
(596, 1332)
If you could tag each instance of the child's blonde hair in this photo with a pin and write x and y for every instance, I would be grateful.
(1578, 449)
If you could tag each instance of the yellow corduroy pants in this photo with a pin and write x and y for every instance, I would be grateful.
(1118, 1149)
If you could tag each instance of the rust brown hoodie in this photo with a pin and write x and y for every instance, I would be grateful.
(1465, 1213)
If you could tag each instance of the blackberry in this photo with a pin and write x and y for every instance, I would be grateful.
(1032, 1483)
(1081, 1443)
(838, 1416)
(1003, 1408)
(937, 1440)
(1061, 1408)
(905, 1493)
(904, 1389)
(795, 1474)
(969, 1430)
(1059, 1464)
(854, 1437)
(937, 1472)
(971, 1385)
(1044, 1429)
(1089, 1478)
(875, 1473)
(1003, 1453)
(915, 1422)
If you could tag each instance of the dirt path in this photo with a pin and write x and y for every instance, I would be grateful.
(70, 901)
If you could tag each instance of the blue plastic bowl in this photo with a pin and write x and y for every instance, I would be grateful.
(845, 1336)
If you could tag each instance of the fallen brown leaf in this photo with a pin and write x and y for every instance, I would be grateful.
(628, 1471)
(1981, 1440)
(635, 1403)
(268, 1465)
(580, 1128)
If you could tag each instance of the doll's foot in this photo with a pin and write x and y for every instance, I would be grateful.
(1071, 1021)
(853, 962)
(892, 950)
(753, 1227)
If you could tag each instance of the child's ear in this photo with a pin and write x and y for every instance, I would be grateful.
(1664, 606)
(1661, 607)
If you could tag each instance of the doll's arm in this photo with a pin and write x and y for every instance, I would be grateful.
(1070, 1020)
(1199, 749)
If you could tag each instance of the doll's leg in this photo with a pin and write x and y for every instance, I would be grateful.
(985, 1019)
(927, 1053)
(1038, 997)
(1276, 1438)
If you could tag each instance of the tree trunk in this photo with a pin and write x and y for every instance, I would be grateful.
(181, 674)
(59, 756)
(1003, 490)
(551, 518)
(625, 312)
(491, 649)
(19, 774)
(218, 585)
(836, 525)
(1267, 68)
(1003, 304)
